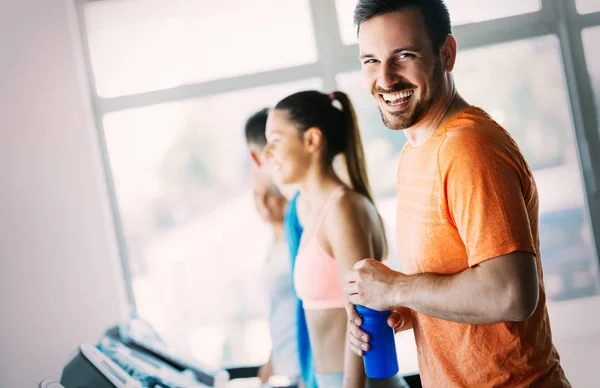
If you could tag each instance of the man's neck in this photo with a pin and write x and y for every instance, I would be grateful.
(438, 115)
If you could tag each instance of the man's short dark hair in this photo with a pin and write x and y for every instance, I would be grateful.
(434, 12)
(256, 128)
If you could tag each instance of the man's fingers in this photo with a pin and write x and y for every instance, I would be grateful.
(352, 314)
(357, 343)
(356, 299)
(356, 350)
(356, 332)
(357, 339)
(395, 321)
(360, 264)
(365, 263)
(351, 288)
(352, 276)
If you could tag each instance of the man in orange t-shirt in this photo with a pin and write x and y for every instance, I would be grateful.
(467, 216)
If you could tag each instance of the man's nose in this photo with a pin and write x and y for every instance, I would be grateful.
(388, 76)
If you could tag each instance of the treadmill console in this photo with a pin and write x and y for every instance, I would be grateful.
(133, 356)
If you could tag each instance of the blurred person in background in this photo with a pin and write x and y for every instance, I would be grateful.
(275, 278)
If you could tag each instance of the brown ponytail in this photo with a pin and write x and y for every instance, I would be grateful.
(340, 130)
(353, 149)
(355, 156)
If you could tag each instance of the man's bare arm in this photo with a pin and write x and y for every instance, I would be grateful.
(501, 289)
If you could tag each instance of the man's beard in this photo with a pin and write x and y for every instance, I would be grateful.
(397, 121)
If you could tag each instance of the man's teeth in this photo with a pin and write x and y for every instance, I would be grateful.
(395, 97)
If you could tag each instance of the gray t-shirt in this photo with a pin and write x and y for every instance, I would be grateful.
(276, 280)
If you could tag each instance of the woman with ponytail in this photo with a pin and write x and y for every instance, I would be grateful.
(305, 132)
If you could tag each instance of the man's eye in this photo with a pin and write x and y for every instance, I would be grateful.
(369, 61)
(406, 56)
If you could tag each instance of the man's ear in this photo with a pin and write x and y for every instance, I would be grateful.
(255, 157)
(448, 53)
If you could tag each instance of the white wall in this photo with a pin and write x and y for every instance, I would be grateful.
(60, 281)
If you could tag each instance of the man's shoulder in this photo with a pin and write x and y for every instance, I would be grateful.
(477, 144)
(475, 134)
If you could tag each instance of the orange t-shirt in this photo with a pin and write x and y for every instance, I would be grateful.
(465, 196)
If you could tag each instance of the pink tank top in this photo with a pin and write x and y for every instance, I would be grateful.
(316, 276)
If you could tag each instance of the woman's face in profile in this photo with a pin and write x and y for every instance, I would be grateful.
(285, 151)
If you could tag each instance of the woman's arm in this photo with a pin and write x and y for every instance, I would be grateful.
(349, 232)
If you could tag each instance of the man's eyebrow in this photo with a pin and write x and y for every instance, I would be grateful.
(407, 48)
(396, 51)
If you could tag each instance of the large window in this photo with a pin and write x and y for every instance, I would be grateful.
(536, 113)
(193, 243)
(345, 12)
(588, 6)
(141, 45)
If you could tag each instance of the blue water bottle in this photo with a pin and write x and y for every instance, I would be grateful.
(380, 360)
